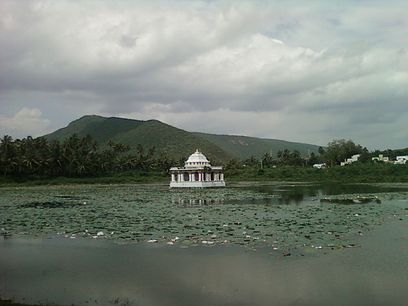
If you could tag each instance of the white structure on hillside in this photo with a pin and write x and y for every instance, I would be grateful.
(401, 160)
(319, 166)
(350, 160)
(197, 173)
(381, 158)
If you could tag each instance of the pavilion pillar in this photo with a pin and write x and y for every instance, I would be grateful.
(173, 177)
(221, 176)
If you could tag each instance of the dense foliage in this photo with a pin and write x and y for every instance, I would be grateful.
(291, 166)
(80, 157)
(74, 157)
(338, 150)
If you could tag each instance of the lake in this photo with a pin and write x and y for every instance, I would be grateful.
(249, 244)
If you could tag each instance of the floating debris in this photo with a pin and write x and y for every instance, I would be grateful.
(352, 200)
(48, 204)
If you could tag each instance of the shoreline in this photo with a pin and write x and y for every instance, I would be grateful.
(165, 180)
(363, 173)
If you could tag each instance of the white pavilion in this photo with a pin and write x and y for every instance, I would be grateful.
(197, 173)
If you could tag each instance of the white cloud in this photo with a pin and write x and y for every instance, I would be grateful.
(26, 122)
(235, 61)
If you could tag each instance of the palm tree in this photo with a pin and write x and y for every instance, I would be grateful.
(7, 155)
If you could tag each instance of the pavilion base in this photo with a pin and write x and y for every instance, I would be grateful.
(197, 184)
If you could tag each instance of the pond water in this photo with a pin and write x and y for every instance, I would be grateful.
(248, 244)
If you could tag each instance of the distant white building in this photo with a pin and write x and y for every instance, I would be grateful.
(381, 158)
(350, 160)
(197, 173)
(401, 160)
(319, 166)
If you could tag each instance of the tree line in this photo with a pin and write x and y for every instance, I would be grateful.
(333, 154)
(74, 157)
(82, 157)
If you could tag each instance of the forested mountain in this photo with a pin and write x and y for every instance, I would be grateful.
(243, 147)
(174, 142)
(166, 139)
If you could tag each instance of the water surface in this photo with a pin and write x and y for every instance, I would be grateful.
(250, 244)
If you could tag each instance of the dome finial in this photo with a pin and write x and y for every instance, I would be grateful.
(197, 151)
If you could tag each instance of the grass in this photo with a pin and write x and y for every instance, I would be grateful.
(363, 173)
(358, 173)
(122, 178)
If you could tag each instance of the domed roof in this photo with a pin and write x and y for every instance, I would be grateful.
(197, 159)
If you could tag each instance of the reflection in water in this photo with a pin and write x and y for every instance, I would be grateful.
(297, 193)
(289, 198)
(273, 194)
(91, 272)
(194, 201)
(101, 273)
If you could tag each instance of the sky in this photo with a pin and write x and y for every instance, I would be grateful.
(307, 71)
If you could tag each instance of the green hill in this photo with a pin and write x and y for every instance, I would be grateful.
(100, 128)
(243, 146)
(174, 142)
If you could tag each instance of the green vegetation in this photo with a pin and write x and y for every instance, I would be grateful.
(173, 142)
(121, 178)
(338, 150)
(356, 173)
(243, 147)
(79, 159)
(28, 159)
(291, 166)
(167, 140)
(249, 217)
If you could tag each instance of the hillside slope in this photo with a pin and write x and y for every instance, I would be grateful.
(166, 139)
(243, 146)
(100, 128)
(174, 142)
(169, 140)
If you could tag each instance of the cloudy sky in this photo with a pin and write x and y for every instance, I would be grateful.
(309, 71)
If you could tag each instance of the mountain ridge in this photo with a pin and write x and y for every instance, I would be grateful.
(173, 141)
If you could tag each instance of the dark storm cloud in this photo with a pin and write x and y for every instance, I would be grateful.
(284, 62)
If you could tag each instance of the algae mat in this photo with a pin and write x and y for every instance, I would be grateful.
(285, 219)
